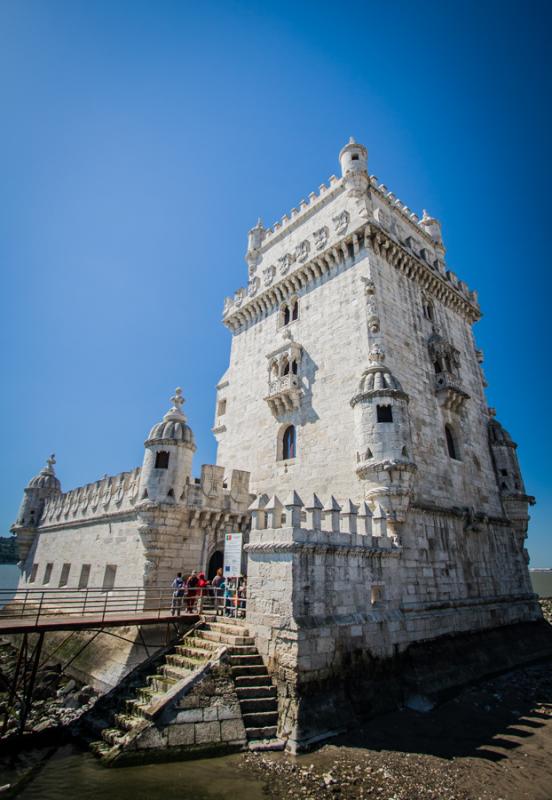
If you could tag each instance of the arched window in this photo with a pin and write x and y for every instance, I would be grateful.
(287, 315)
(451, 443)
(285, 366)
(288, 443)
(294, 367)
(437, 366)
(162, 460)
(427, 307)
(295, 309)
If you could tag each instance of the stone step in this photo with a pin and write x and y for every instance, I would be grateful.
(145, 695)
(176, 673)
(253, 705)
(260, 745)
(260, 719)
(113, 736)
(126, 722)
(247, 680)
(135, 708)
(245, 660)
(159, 684)
(242, 649)
(203, 653)
(250, 671)
(102, 749)
(261, 733)
(194, 640)
(216, 636)
(227, 628)
(185, 662)
(256, 692)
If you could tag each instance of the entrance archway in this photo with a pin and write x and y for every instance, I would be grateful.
(215, 562)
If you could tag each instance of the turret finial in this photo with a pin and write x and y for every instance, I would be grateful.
(178, 401)
(377, 354)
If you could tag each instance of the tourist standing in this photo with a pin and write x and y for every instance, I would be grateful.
(218, 583)
(193, 591)
(178, 594)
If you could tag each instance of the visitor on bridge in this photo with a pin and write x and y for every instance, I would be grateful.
(178, 594)
(193, 591)
(218, 590)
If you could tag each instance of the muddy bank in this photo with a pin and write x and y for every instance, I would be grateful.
(491, 742)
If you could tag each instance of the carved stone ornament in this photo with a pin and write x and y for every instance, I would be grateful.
(381, 217)
(239, 297)
(341, 222)
(302, 251)
(286, 262)
(321, 237)
(228, 303)
(253, 287)
(268, 275)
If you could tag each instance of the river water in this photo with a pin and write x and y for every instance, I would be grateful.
(73, 774)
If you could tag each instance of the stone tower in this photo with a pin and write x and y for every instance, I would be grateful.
(167, 466)
(42, 487)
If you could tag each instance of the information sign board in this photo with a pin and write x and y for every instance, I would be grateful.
(232, 555)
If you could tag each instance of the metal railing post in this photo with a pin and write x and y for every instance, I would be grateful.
(39, 608)
(24, 602)
(105, 605)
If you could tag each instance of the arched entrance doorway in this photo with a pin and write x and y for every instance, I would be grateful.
(215, 562)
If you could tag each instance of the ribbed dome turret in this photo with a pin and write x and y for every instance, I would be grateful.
(499, 435)
(378, 379)
(46, 478)
(173, 426)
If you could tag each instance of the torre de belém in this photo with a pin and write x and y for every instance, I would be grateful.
(381, 501)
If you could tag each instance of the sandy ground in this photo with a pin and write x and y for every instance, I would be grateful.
(491, 742)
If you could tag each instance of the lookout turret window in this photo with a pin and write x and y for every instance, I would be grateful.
(385, 414)
(162, 460)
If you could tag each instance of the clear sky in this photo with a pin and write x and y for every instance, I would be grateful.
(140, 140)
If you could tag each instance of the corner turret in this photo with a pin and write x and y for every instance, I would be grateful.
(254, 242)
(508, 476)
(37, 491)
(167, 465)
(384, 442)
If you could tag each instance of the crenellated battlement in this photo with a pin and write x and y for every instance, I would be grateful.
(293, 525)
(110, 494)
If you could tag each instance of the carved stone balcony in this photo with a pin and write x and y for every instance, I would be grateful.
(284, 394)
(449, 391)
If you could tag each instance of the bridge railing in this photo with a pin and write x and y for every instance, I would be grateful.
(34, 605)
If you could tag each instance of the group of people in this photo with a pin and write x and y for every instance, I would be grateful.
(227, 596)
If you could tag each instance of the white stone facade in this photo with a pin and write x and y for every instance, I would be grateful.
(354, 377)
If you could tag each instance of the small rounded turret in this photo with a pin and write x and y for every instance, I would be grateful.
(37, 491)
(432, 227)
(167, 464)
(254, 241)
(384, 444)
(353, 158)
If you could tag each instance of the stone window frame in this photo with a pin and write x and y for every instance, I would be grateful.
(452, 442)
(291, 306)
(280, 443)
(64, 574)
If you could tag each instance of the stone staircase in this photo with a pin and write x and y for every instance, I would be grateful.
(207, 641)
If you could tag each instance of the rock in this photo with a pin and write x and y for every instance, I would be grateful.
(69, 686)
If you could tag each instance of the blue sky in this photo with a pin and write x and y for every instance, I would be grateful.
(140, 141)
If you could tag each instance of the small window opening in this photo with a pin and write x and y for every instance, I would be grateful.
(197, 481)
(170, 493)
(503, 485)
(287, 315)
(355, 157)
(47, 573)
(437, 366)
(504, 472)
(294, 367)
(451, 444)
(368, 455)
(285, 368)
(84, 576)
(295, 312)
(405, 451)
(64, 577)
(34, 571)
(145, 495)
(385, 414)
(109, 577)
(288, 442)
(162, 460)
(221, 410)
(376, 595)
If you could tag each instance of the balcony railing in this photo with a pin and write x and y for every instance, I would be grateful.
(284, 393)
(449, 391)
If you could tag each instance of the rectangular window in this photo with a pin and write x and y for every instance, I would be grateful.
(109, 577)
(504, 472)
(47, 573)
(162, 460)
(376, 595)
(221, 410)
(385, 414)
(84, 576)
(34, 571)
(64, 577)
